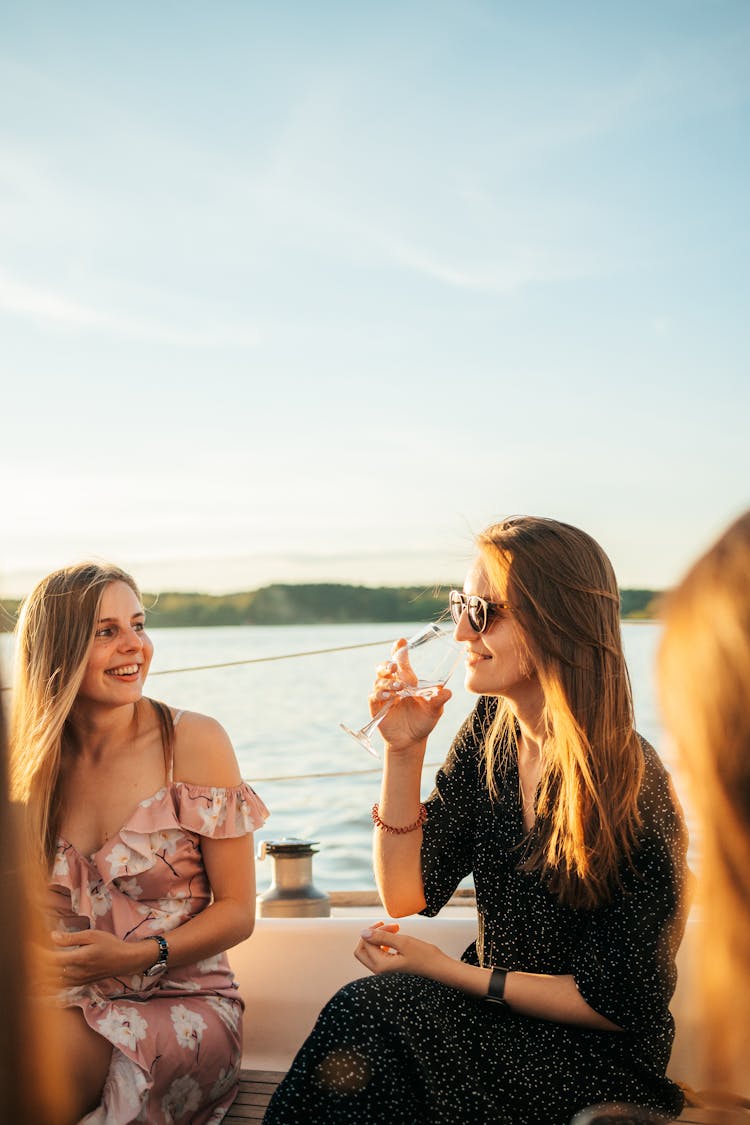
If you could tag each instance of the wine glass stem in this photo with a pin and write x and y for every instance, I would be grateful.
(378, 717)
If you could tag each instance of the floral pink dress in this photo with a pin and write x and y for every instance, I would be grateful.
(177, 1038)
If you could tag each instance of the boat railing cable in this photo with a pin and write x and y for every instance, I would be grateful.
(331, 773)
(268, 659)
(287, 656)
(260, 659)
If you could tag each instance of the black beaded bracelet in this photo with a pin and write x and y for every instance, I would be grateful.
(496, 987)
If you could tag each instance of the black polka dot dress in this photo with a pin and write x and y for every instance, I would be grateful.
(399, 1048)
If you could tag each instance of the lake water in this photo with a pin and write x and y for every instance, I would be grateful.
(283, 718)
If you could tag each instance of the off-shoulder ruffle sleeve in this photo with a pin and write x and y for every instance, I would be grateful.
(161, 830)
(221, 813)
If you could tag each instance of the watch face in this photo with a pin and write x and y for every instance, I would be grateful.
(156, 970)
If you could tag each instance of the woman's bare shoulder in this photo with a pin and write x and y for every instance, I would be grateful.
(203, 752)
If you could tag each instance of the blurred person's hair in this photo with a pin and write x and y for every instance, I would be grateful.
(565, 602)
(33, 1080)
(704, 681)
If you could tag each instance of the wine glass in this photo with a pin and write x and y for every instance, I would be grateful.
(433, 655)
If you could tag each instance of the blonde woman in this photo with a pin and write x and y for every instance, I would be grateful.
(704, 675)
(142, 825)
(565, 817)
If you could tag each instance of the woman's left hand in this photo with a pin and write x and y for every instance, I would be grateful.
(91, 955)
(382, 949)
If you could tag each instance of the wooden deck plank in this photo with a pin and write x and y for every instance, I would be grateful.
(257, 1086)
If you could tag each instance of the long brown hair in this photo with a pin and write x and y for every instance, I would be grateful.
(565, 602)
(55, 633)
(704, 681)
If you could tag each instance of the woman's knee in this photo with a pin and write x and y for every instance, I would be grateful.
(372, 993)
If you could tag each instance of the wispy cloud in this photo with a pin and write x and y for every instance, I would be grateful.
(50, 309)
(523, 266)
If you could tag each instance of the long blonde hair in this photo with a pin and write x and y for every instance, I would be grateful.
(704, 681)
(565, 602)
(55, 633)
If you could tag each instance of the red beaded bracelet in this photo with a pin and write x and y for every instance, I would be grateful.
(399, 831)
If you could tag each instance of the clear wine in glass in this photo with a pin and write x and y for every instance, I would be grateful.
(433, 655)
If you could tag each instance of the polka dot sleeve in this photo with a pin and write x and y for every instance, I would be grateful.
(448, 834)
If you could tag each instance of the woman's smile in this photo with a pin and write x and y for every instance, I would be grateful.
(127, 671)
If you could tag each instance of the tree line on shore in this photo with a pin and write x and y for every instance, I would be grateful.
(314, 604)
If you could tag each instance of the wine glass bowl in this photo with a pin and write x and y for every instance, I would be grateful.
(432, 656)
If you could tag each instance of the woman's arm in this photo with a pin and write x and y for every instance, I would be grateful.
(405, 729)
(92, 955)
(396, 857)
(539, 995)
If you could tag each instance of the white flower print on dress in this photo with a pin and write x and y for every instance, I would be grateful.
(165, 841)
(118, 859)
(181, 1099)
(101, 903)
(228, 1011)
(216, 1117)
(214, 816)
(169, 912)
(210, 964)
(188, 1026)
(123, 1027)
(125, 1089)
(130, 887)
(150, 800)
(185, 985)
(224, 1083)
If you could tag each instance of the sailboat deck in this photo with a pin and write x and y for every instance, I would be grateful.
(257, 1086)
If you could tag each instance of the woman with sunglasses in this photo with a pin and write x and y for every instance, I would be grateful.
(566, 819)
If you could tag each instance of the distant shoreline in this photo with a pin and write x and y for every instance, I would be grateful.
(323, 603)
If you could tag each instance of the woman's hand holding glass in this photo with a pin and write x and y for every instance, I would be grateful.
(415, 680)
(415, 717)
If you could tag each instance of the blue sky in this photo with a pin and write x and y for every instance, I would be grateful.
(309, 292)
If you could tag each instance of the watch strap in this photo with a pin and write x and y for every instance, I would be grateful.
(160, 963)
(496, 987)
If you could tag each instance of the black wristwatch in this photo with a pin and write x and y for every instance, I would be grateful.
(160, 964)
(496, 987)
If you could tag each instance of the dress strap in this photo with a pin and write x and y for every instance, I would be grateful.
(170, 762)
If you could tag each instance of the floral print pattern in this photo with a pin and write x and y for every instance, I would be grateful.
(188, 1026)
(177, 1037)
(181, 1099)
(123, 1027)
